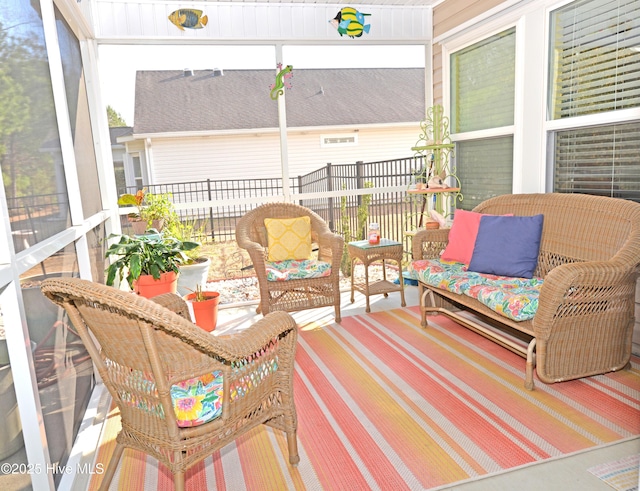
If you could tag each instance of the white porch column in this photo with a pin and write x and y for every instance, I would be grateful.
(282, 122)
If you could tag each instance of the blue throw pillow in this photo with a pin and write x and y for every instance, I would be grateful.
(507, 246)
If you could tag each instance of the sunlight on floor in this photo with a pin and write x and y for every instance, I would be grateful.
(237, 317)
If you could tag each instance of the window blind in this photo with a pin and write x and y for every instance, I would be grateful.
(602, 160)
(483, 84)
(595, 57)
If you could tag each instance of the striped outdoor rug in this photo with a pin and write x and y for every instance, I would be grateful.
(384, 404)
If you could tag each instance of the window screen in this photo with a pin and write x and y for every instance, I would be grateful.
(483, 84)
(487, 169)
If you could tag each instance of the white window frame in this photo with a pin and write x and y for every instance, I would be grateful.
(533, 154)
(531, 23)
(129, 170)
(552, 126)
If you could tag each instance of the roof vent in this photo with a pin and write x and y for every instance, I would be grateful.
(217, 72)
(187, 72)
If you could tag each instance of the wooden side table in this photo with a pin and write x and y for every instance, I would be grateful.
(386, 250)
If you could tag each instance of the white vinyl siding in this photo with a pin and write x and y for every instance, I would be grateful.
(258, 156)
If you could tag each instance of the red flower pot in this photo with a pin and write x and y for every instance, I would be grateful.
(147, 286)
(205, 312)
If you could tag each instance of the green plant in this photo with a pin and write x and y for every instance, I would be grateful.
(345, 228)
(200, 296)
(133, 200)
(186, 231)
(158, 207)
(149, 254)
(363, 212)
(150, 207)
(362, 217)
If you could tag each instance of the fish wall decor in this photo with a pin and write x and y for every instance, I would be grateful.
(349, 21)
(188, 19)
(282, 81)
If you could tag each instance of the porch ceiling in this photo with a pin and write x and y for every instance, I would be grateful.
(270, 21)
(422, 3)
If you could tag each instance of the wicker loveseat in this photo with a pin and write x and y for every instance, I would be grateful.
(588, 260)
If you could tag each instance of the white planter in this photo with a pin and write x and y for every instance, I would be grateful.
(192, 275)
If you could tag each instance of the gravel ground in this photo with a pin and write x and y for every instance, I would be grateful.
(246, 289)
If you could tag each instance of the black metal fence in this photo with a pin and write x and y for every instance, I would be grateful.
(394, 211)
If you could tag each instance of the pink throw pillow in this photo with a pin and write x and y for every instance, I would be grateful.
(462, 236)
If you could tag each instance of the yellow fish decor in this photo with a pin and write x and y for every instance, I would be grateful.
(282, 81)
(188, 19)
(350, 22)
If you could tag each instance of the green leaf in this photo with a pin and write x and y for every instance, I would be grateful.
(111, 276)
(135, 266)
(127, 200)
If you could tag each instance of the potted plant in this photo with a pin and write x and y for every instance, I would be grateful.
(204, 305)
(148, 262)
(137, 223)
(158, 210)
(195, 271)
(152, 210)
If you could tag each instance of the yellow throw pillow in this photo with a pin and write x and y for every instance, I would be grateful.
(288, 238)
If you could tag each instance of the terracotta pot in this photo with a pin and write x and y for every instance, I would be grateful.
(205, 313)
(147, 286)
(158, 224)
(431, 225)
(139, 226)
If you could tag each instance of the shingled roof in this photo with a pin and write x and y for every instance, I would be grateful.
(169, 101)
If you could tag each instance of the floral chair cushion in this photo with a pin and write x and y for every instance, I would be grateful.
(198, 400)
(293, 269)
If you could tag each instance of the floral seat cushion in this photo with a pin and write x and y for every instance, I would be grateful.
(195, 401)
(447, 275)
(515, 298)
(198, 400)
(294, 269)
(509, 297)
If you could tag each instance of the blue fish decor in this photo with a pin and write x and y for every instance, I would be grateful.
(350, 22)
(188, 19)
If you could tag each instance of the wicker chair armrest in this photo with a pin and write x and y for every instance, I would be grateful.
(256, 253)
(249, 341)
(235, 347)
(428, 243)
(331, 246)
(576, 289)
(173, 302)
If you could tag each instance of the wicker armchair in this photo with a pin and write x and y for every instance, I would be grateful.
(146, 349)
(293, 294)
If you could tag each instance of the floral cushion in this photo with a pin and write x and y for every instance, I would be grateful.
(509, 297)
(296, 270)
(448, 275)
(515, 298)
(198, 400)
